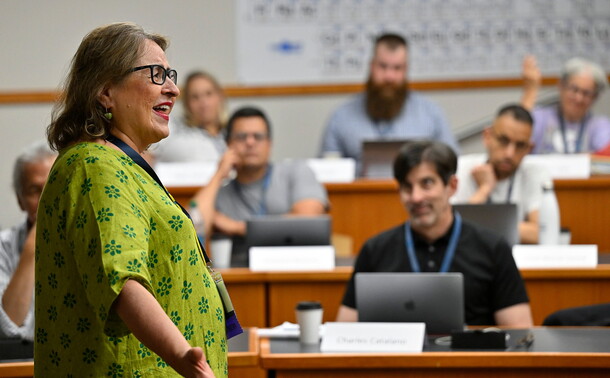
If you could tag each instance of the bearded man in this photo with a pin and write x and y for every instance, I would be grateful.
(387, 109)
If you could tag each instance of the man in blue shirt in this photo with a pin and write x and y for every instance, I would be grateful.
(387, 109)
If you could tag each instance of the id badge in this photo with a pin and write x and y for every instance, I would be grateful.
(232, 325)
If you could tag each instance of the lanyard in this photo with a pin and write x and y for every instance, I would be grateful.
(139, 160)
(262, 206)
(510, 190)
(581, 132)
(449, 252)
(232, 325)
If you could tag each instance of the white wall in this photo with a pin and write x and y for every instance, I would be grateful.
(38, 39)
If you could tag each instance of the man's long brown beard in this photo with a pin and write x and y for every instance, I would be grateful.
(384, 102)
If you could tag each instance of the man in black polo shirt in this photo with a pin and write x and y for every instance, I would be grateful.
(494, 290)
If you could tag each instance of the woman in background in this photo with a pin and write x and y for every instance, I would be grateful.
(199, 135)
(569, 126)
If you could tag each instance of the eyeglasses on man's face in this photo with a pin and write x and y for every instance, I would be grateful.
(504, 142)
(242, 137)
(158, 73)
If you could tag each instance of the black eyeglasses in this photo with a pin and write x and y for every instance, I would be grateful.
(158, 73)
(242, 137)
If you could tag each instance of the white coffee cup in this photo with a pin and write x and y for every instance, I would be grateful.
(565, 236)
(309, 317)
(221, 252)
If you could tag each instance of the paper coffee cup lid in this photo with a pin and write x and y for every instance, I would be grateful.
(308, 305)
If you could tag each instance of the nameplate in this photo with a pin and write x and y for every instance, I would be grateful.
(373, 337)
(293, 258)
(333, 169)
(186, 174)
(563, 166)
(555, 256)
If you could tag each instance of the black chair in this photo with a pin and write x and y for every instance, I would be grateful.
(595, 315)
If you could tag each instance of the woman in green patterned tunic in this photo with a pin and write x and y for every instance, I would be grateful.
(122, 288)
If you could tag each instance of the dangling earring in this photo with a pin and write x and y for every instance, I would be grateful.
(108, 115)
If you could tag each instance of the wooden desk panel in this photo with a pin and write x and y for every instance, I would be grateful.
(17, 369)
(248, 293)
(549, 290)
(245, 364)
(585, 209)
(532, 363)
(287, 289)
(364, 208)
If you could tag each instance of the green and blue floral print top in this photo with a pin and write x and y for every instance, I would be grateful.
(102, 220)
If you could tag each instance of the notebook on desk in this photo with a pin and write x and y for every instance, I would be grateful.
(434, 298)
(378, 157)
(501, 218)
(13, 350)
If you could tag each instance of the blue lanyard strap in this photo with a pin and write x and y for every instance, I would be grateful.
(581, 132)
(262, 206)
(509, 192)
(449, 252)
(139, 160)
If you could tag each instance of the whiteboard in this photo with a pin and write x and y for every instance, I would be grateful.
(322, 41)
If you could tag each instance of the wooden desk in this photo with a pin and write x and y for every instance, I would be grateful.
(276, 294)
(17, 369)
(543, 359)
(550, 290)
(364, 208)
(248, 291)
(243, 359)
(585, 209)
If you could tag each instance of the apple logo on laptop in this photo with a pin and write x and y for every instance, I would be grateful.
(410, 305)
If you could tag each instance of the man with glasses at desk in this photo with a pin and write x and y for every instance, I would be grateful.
(262, 188)
(501, 175)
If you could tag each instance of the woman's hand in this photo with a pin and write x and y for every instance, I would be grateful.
(228, 162)
(193, 364)
(532, 78)
(531, 74)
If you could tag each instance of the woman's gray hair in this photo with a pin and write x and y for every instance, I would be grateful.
(34, 153)
(576, 66)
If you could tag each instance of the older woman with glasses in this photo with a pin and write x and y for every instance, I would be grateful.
(568, 126)
(122, 287)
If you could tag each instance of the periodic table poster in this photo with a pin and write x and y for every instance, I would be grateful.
(283, 42)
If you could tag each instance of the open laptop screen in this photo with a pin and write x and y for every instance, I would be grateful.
(501, 218)
(286, 231)
(434, 298)
(378, 157)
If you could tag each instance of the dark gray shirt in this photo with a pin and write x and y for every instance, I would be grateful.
(290, 181)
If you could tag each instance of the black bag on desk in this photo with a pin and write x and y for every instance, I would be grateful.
(596, 315)
(16, 350)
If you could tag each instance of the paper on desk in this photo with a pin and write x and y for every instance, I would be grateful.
(285, 330)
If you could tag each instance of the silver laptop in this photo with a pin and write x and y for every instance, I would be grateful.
(283, 230)
(502, 218)
(378, 157)
(434, 298)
